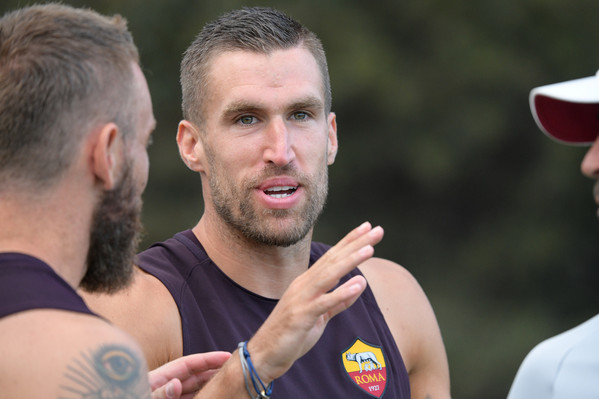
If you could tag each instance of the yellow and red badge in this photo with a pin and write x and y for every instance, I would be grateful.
(365, 366)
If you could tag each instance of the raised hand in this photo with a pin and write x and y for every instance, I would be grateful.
(299, 319)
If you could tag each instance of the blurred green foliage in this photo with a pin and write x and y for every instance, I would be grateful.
(437, 145)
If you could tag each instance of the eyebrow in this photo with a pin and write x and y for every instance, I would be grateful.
(308, 103)
(240, 107)
(243, 106)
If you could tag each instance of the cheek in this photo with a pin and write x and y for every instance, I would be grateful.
(315, 153)
(231, 158)
(141, 170)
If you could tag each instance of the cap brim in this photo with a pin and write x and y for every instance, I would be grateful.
(569, 111)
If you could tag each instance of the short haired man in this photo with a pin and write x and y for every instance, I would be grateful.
(259, 130)
(566, 365)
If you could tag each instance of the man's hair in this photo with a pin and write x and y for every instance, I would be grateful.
(63, 71)
(258, 29)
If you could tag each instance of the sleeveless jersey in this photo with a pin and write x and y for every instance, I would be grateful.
(356, 357)
(27, 283)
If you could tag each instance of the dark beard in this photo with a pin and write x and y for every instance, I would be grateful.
(114, 238)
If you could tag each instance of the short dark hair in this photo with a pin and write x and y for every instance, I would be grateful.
(256, 29)
(62, 70)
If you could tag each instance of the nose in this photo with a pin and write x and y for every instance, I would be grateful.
(278, 146)
(590, 162)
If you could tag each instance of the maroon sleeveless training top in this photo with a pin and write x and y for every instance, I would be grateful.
(356, 357)
(28, 283)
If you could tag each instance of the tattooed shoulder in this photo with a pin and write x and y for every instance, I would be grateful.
(112, 371)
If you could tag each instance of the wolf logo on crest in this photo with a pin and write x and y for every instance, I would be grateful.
(367, 358)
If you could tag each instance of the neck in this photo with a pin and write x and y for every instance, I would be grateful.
(50, 228)
(263, 269)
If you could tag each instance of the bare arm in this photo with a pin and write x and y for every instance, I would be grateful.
(413, 325)
(59, 354)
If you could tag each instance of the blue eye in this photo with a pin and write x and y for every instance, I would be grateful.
(247, 120)
(300, 116)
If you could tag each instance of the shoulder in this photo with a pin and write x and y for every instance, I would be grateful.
(393, 285)
(165, 253)
(400, 299)
(398, 295)
(383, 269)
(561, 363)
(52, 353)
(174, 260)
(536, 373)
(147, 311)
(412, 322)
(145, 290)
(552, 352)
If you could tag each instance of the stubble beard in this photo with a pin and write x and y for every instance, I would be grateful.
(269, 227)
(114, 238)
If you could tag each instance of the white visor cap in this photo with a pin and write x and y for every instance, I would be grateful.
(568, 111)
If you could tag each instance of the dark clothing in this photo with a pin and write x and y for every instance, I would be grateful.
(217, 314)
(27, 283)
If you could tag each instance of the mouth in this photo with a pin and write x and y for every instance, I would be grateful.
(280, 191)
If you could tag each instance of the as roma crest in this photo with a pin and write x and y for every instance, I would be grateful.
(365, 366)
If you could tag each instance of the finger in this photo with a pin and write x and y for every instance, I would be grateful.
(171, 390)
(206, 361)
(197, 381)
(371, 236)
(355, 233)
(360, 237)
(341, 297)
(328, 277)
(337, 265)
(349, 238)
(186, 366)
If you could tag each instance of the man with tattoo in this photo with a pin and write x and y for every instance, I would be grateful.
(260, 133)
(75, 120)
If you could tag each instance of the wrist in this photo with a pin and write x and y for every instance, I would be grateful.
(262, 360)
(254, 384)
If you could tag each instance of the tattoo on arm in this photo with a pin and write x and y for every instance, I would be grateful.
(110, 372)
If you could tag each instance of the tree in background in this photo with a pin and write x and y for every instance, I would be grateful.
(437, 145)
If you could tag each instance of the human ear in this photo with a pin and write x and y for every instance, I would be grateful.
(333, 145)
(191, 148)
(106, 153)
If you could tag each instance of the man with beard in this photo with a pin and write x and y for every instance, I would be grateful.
(566, 366)
(75, 120)
(259, 130)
